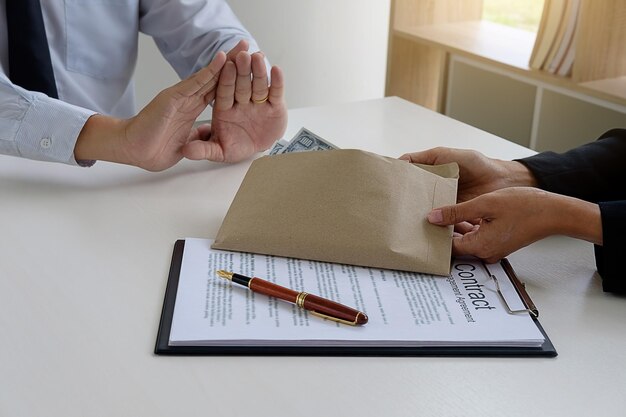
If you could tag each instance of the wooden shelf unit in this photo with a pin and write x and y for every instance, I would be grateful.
(427, 36)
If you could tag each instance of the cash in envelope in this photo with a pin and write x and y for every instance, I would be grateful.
(343, 206)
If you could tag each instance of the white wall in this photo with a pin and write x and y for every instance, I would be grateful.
(330, 50)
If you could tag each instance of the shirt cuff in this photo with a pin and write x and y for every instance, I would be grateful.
(49, 130)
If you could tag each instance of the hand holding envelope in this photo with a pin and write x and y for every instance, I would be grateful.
(343, 206)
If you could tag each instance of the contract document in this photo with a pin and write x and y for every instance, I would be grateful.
(405, 309)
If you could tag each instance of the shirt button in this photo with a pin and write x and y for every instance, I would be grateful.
(45, 143)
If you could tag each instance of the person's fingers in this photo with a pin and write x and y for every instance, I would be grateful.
(277, 88)
(465, 227)
(427, 157)
(480, 245)
(199, 146)
(204, 80)
(225, 95)
(242, 45)
(462, 212)
(465, 244)
(199, 149)
(259, 78)
(243, 88)
(202, 132)
(408, 156)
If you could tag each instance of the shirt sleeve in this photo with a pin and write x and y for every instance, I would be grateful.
(593, 172)
(35, 126)
(190, 33)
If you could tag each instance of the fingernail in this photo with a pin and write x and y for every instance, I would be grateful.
(435, 216)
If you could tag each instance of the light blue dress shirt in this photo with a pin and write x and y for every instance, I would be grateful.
(93, 48)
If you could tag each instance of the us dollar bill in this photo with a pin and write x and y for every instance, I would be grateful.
(278, 147)
(303, 141)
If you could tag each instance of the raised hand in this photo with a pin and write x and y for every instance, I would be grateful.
(248, 114)
(155, 138)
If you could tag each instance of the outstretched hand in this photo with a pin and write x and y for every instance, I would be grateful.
(154, 138)
(478, 174)
(496, 224)
(248, 114)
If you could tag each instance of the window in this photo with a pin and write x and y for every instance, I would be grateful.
(522, 14)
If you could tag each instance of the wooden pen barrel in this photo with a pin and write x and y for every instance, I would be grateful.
(331, 308)
(273, 290)
(308, 301)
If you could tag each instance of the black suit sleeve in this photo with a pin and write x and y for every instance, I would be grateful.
(610, 256)
(593, 172)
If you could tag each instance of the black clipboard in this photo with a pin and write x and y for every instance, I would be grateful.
(162, 346)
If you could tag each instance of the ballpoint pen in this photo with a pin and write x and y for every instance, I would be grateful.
(317, 306)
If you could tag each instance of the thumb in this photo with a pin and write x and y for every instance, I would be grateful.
(199, 149)
(450, 215)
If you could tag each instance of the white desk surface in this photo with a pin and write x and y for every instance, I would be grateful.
(84, 257)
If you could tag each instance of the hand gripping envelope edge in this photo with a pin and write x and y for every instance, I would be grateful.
(343, 206)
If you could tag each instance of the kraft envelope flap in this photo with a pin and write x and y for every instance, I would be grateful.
(344, 206)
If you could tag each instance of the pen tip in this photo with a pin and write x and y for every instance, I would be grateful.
(224, 274)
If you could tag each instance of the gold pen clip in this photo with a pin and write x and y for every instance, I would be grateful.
(338, 320)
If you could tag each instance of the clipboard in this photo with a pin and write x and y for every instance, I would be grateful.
(162, 346)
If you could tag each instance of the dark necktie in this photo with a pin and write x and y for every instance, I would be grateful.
(29, 57)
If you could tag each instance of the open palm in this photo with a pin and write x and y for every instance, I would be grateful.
(248, 114)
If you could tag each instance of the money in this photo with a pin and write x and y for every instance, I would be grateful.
(278, 147)
(303, 141)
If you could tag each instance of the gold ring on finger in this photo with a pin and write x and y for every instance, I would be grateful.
(263, 100)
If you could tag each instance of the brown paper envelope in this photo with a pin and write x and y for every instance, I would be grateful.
(344, 206)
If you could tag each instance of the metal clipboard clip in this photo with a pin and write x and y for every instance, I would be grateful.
(519, 287)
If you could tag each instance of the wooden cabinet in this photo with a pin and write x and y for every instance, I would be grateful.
(416, 69)
(442, 56)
